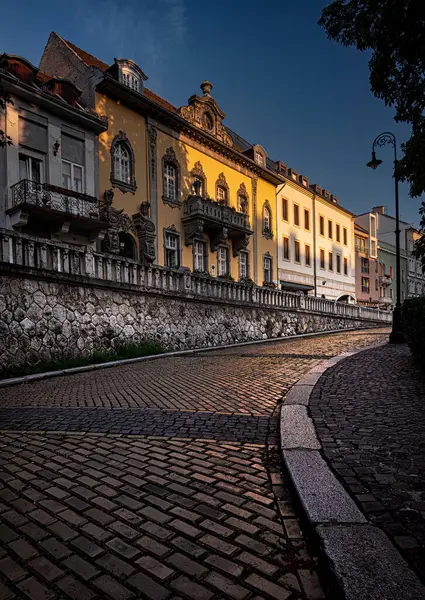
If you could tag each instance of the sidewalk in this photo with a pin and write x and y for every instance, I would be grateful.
(369, 414)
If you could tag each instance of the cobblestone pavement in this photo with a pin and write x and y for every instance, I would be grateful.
(157, 480)
(369, 412)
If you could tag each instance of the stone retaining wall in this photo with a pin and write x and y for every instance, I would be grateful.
(51, 318)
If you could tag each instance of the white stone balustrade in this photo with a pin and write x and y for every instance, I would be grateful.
(80, 261)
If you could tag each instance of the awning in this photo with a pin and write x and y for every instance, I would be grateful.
(294, 287)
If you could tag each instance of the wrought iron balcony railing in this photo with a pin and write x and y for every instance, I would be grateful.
(45, 195)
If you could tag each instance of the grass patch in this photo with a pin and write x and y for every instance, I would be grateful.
(131, 350)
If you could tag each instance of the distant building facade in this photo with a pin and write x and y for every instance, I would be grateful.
(367, 271)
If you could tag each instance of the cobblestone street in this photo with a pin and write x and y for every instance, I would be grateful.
(373, 436)
(159, 480)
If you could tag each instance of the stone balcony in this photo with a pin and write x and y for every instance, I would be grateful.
(385, 280)
(220, 222)
(42, 205)
(385, 300)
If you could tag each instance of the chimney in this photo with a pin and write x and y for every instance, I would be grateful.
(379, 209)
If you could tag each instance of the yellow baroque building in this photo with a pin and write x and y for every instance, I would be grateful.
(179, 188)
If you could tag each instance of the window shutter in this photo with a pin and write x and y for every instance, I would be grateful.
(72, 149)
(32, 135)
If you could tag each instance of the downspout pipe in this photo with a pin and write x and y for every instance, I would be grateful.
(314, 246)
(278, 190)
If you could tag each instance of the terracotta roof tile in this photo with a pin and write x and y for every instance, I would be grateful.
(89, 59)
(92, 61)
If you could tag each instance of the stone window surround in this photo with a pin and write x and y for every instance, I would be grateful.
(245, 253)
(296, 207)
(322, 222)
(270, 257)
(121, 138)
(307, 264)
(222, 183)
(243, 193)
(198, 173)
(285, 237)
(171, 159)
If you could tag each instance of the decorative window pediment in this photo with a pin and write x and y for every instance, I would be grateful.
(222, 190)
(197, 174)
(260, 155)
(123, 164)
(204, 113)
(243, 199)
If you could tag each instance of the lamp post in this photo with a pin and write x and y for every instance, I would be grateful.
(384, 139)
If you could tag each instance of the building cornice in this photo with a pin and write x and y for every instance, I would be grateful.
(140, 103)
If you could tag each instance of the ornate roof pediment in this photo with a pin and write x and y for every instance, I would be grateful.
(204, 113)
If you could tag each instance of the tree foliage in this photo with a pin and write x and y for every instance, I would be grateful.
(393, 31)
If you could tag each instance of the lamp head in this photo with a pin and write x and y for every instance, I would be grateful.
(375, 162)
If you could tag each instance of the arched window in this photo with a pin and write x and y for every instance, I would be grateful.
(127, 245)
(267, 221)
(170, 178)
(222, 190)
(122, 175)
(243, 204)
(131, 80)
(122, 163)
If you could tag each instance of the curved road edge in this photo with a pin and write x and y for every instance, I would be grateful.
(362, 560)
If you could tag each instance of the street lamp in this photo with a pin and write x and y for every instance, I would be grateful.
(384, 139)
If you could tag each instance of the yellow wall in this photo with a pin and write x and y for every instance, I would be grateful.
(213, 166)
(121, 118)
(265, 191)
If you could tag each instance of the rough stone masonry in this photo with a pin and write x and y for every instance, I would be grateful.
(41, 320)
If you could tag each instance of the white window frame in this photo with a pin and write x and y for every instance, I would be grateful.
(267, 269)
(259, 158)
(172, 244)
(122, 164)
(28, 160)
(243, 265)
(222, 261)
(267, 218)
(199, 258)
(74, 166)
(221, 194)
(170, 181)
(131, 80)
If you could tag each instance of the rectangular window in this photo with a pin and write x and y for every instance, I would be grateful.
(223, 260)
(322, 225)
(307, 219)
(365, 284)
(30, 168)
(372, 226)
(345, 265)
(391, 292)
(373, 248)
(284, 209)
(331, 261)
(365, 265)
(243, 265)
(402, 275)
(338, 263)
(286, 254)
(296, 215)
(307, 256)
(297, 252)
(330, 229)
(259, 158)
(170, 181)
(338, 232)
(322, 258)
(267, 263)
(199, 259)
(391, 272)
(72, 176)
(345, 236)
(172, 250)
(221, 194)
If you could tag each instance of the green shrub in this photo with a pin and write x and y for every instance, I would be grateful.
(413, 315)
(130, 350)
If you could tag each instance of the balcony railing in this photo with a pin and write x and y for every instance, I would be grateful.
(210, 210)
(47, 196)
(81, 261)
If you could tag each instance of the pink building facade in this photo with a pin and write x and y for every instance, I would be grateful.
(367, 272)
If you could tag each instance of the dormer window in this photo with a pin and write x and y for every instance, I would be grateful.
(129, 74)
(131, 80)
(259, 158)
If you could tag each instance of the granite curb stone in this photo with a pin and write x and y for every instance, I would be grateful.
(364, 562)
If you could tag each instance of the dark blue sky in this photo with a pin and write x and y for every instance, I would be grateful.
(279, 80)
